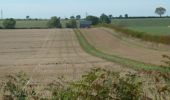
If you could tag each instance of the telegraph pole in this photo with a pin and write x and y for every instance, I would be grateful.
(1, 14)
(86, 14)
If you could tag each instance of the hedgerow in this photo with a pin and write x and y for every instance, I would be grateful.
(141, 35)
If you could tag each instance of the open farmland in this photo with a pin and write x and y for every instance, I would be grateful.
(33, 24)
(110, 42)
(29, 24)
(46, 54)
(153, 26)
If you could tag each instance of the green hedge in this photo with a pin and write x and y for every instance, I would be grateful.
(140, 35)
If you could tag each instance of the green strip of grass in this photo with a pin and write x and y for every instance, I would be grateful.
(124, 61)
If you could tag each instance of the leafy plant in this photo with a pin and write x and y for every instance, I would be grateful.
(15, 87)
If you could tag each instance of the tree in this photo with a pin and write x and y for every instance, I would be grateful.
(27, 17)
(120, 16)
(126, 16)
(72, 17)
(78, 17)
(71, 24)
(54, 22)
(9, 23)
(105, 19)
(93, 19)
(160, 11)
(110, 17)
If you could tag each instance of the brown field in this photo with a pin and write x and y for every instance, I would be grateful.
(109, 41)
(46, 54)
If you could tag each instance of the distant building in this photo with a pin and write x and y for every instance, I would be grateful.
(84, 24)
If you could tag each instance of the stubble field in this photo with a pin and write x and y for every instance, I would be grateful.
(46, 54)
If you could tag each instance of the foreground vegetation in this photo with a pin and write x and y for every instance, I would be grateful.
(98, 84)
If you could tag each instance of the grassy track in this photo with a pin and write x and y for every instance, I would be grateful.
(124, 61)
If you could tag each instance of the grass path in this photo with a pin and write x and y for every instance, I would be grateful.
(124, 61)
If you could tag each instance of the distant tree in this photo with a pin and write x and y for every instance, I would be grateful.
(78, 17)
(93, 19)
(54, 22)
(120, 16)
(27, 17)
(105, 19)
(126, 16)
(9, 23)
(110, 17)
(71, 24)
(36, 19)
(160, 11)
(72, 17)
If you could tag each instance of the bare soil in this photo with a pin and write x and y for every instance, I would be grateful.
(112, 42)
(45, 54)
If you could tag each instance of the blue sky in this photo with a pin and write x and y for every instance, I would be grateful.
(66, 8)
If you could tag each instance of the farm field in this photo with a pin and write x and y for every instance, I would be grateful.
(154, 26)
(110, 42)
(45, 54)
(29, 24)
(42, 24)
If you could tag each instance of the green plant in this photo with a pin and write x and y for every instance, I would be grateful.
(141, 35)
(71, 24)
(54, 22)
(100, 84)
(15, 87)
(129, 88)
(105, 19)
(9, 23)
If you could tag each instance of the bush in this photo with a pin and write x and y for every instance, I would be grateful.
(54, 22)
(9, 23)
(140, 35)
(105, 19)
(93, 19)
(71, 24)
(98, 84)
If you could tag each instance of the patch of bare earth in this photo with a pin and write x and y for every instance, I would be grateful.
(46, 54)
(111, 42)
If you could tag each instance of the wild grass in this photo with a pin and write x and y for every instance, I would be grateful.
(97, 84)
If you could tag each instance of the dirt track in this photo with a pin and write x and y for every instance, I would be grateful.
(46, 54)
(111, 42)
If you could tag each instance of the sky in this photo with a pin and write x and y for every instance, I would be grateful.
(67, 8)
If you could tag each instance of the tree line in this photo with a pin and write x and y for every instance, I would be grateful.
(55, 22)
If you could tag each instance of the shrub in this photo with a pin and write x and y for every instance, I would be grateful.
(105, 19)
(9, 23)
(71, 24)
(98, 84)
(140, 35)
(93, 19)
(54, 22)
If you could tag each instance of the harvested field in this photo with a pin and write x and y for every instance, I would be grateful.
(46, 54)
(111, 42)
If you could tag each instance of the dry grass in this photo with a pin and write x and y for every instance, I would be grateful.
(45, 54)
